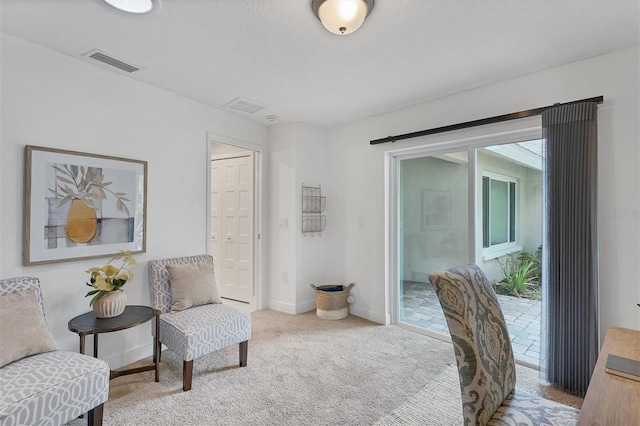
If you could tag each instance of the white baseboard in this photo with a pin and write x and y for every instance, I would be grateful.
(287, 308)
(310, 305)
(290, 308)
(367, 314)
(130, 357)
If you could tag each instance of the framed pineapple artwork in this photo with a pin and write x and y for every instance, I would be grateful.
(79, 205)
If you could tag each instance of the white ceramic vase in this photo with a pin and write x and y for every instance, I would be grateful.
(110, 304)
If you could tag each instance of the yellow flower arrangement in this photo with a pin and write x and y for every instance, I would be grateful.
(109, 277)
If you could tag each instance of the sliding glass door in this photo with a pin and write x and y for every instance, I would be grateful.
(494, 219)
(433, 231)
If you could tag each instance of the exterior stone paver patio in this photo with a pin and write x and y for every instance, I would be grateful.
(420, 307)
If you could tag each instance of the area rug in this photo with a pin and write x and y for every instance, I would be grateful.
(438, 404)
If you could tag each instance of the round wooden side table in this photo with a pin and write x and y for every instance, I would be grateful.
(132, 316)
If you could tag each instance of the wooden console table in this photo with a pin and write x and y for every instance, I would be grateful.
(610, 399)
(132, 316)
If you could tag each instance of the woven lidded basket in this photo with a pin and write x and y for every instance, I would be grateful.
(332, 304)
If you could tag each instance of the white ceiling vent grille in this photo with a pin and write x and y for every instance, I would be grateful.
(110, 60)
(244, 105)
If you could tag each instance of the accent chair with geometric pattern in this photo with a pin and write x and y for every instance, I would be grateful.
(40, 385)
(196, 330)
(484, 355)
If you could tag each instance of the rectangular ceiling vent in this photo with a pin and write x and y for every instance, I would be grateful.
(110, 60)
(244, 105)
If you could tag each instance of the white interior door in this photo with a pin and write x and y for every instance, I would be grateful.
(216, 215)
(232, 225)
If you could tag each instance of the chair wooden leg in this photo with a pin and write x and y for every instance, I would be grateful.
(187, 374)
(244, 349)
(94, 417)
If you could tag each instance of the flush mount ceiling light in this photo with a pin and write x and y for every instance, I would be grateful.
(131, 6)
(341, 17)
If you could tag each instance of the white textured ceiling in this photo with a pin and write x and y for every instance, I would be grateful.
(277, 53)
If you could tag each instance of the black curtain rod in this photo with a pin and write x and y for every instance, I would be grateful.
(481, 122)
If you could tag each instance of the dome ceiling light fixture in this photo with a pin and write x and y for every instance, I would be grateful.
(131, 6)
(341, 17)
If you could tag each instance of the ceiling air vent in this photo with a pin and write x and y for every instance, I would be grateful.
(110, 60)
(244, 105)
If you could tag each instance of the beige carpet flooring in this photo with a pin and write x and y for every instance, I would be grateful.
(302, 370)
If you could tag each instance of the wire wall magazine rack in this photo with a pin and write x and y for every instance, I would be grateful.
(313, 204)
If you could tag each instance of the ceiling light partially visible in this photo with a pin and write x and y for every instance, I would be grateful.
(131, 6)
(341, 17)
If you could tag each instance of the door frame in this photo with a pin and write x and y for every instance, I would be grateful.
(490, 136)
(258, 293)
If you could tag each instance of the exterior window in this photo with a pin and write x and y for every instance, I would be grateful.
(498, 211)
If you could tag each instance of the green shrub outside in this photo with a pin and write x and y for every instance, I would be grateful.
(522, 274)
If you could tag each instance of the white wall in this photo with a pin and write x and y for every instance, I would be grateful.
(52, 100)
(299, 155)
(616, 76)
(282, 241)
(317, 262)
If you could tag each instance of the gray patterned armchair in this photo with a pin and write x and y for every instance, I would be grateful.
(40, 385)
(198, 330)
(484, 356)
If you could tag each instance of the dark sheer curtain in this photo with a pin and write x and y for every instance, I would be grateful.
(570, 267)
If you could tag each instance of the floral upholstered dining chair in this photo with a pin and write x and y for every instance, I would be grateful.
(484, 355)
